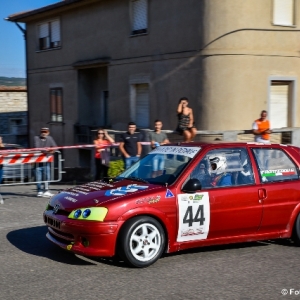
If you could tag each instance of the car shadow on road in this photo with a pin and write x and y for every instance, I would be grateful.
(33, 241)
(282, 242)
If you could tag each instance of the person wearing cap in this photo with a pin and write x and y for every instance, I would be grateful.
(42, 171)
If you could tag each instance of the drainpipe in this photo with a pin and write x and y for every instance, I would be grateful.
(27, 86)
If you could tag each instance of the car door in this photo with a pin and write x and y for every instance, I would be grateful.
(280, 187)
(225, 209)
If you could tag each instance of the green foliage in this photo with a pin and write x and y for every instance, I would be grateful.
(12, 81)
(115, 168)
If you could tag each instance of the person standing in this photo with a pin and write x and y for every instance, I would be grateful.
(186, 124)
(158, 138)
(130, 145)
(101, 142)
(42, 171)
(261, 128)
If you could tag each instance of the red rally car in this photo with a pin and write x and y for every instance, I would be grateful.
(182, 196)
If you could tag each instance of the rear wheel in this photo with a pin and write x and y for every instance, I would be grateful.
(142, 241)
(296, 231)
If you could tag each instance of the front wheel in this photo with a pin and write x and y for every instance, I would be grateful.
(142, 241)
(296, 231)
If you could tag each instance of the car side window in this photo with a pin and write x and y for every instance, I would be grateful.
(224, 167)
(274, 165)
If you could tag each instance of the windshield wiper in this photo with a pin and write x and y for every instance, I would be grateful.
(138, 179)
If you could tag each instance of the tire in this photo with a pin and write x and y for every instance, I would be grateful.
(141, 241)
(296, 231)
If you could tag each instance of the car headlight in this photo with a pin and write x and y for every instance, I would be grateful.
(89, 213)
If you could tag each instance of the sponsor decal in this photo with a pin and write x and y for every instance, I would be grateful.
(280, 172)
(70, 199)
(80, 192)
(123, 190)
(70, 193)
(169, 194)
(186, 151)
(150, 200)
(198, 197)
(99, 185)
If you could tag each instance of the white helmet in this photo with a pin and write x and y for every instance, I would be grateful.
(218, 164)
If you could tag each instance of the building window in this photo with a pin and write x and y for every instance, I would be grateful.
(49, 35)
(140, 105)
(284, 12)
(56, 105)
(139, 18)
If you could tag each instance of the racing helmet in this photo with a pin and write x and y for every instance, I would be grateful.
(218, 164)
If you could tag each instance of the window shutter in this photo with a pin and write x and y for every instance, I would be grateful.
(142, 105)
(55, 31)
(43, 30)
(279, 106)
(59, 105)
(139, 15)
(283, 12)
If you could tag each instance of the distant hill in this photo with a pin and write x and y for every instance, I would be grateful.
(12, 81)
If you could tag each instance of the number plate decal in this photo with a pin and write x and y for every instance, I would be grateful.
(194, 217)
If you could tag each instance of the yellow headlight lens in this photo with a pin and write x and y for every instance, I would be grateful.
(95, 214)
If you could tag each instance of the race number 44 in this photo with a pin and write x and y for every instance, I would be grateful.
(194, 216)
(190, 219)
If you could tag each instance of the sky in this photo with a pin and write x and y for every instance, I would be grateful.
(12, 44)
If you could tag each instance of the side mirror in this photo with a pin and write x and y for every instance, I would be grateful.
(192, 186)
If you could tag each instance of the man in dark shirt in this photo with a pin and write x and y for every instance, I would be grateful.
(44, 140)
(130, 145)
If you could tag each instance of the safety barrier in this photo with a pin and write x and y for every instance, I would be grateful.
(20, 167)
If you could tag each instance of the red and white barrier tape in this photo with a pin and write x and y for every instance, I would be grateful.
(63, 147)
(25, 158)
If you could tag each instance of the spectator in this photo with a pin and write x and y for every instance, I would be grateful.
(186, 124)
(42, 171)
(102, 153)
(158, 138)
(261, 128)
(130, 145)
(1, 166)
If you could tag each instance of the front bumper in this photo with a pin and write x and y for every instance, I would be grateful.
(90, 238)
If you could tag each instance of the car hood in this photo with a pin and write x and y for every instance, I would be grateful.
(97, 193)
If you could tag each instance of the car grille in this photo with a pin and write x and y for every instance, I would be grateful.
(61, 236)
(51, 222)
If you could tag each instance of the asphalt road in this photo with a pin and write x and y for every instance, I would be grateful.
(32, 268)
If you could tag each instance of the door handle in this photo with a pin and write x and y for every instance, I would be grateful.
(262, 194)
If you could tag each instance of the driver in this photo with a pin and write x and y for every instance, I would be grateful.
(218, 172)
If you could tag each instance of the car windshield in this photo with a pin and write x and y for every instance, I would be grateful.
(163, 165)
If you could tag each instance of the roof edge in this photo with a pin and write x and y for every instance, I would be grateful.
(21, 17)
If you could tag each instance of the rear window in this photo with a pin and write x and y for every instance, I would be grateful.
(274, 165)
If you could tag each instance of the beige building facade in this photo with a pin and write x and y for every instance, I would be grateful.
(13, 115)
(103, 63)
